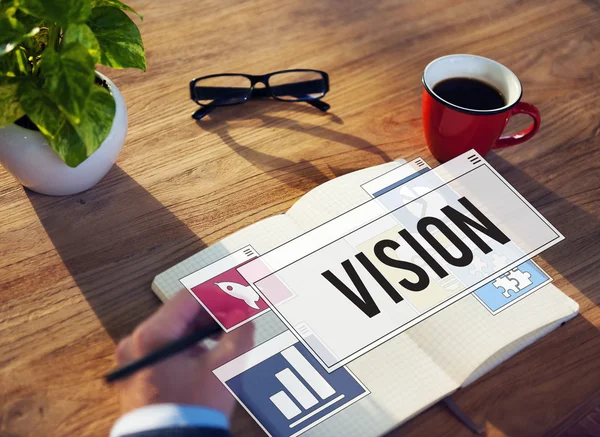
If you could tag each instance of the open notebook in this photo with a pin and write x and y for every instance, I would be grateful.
(416, 368)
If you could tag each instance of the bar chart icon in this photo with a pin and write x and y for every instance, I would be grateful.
(296, 388)
(299, 391)
(285, 389)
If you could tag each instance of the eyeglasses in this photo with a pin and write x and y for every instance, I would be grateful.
(233, 89)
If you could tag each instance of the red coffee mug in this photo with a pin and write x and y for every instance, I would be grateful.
(451, 130)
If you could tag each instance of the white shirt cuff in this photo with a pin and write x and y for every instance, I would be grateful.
(168, 416)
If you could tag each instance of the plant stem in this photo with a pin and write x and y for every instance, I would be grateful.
(53, 34)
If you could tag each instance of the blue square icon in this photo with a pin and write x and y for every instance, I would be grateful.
(511, 286)
(285, 388)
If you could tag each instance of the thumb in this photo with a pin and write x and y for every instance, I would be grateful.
(173, 320)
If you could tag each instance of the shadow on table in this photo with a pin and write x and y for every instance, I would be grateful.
(548, 366)
(113, 239)
(545, 379)
(271, 113)
(575, 257)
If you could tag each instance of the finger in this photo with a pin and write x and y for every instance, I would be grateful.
(179, 313)
(124, 352)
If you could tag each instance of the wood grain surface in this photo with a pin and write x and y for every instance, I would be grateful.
(75, 272)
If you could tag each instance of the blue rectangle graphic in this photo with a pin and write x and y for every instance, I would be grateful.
(511, 286)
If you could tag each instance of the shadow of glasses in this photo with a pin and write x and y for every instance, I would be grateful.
(271, 114)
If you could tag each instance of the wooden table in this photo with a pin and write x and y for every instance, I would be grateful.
(76, 271)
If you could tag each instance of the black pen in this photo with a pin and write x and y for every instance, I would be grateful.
(163, 353)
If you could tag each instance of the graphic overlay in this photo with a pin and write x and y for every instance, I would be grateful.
(395, 177)
(399, 176)
(285, 389)
(224, 293)
(511, 287)
(392, 262)
(234, 285)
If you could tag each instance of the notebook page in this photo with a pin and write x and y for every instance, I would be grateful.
(466, 340)
(406, 381)
(336, 196)
(466, 335)
(513, 348)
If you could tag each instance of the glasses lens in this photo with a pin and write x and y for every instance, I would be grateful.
(222, 90)
(298, 85)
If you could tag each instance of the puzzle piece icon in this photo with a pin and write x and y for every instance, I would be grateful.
(498, 261)
(477, 266)
(507, 284)
(521, 277)
(515, 281)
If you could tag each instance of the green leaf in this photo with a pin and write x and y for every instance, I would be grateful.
(12, 32)
(8, 7)
(69, 76)
(97, 119)
(62, 12)
(29, 21)
(115, 4)
(73, 143)
(14, 64)
(119, 38)
(11, 107)
(41, 109)
(82, 34)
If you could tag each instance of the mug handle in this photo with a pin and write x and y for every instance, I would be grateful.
(524, 135)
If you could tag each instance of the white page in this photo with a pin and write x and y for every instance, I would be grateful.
(462, 337)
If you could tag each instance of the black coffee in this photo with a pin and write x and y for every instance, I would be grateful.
(469, 93)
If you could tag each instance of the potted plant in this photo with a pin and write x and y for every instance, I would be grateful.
(62, 124)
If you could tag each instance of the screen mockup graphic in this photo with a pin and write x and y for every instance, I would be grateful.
(393, 261)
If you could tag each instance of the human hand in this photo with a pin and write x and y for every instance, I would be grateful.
(187, 377)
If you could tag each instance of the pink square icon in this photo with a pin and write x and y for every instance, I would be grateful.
(230, 299)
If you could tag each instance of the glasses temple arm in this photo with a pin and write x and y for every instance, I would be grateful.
(319, 104)
(202, 112)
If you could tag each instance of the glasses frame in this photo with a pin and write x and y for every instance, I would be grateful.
(259, 92)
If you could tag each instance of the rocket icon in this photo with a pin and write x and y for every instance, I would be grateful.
(239, 291)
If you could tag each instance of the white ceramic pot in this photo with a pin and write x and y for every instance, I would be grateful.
(26, 154)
